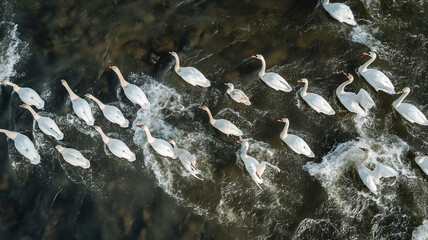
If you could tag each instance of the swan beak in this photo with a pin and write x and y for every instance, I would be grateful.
(225, 84)
(299, 80)
(362, 148)
(254, 56)
(138, 126)
(344, 73)
(280, 120)
(365, 53)
(199, 107)
(238, 141)
(170, 52)
(424, 155)
(110, 67)
(21, 106)
(399, 92)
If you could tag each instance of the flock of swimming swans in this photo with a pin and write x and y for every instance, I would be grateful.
(359, 104)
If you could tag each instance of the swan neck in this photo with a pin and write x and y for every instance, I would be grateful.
(343, 85)
(369, 154)
(149, 135)
(305, 89)
(102, 106)
(35, 115)
(262, 71)
(400, 99)
(103, 136)
(365, 65)
(244, 152)
(174, 145)
(122, 80)
(73, 96)
(16, 88)
(9, 134)
(177, 63)
(212, 120)
(285, 130)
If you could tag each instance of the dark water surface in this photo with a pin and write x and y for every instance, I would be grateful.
(154, 197)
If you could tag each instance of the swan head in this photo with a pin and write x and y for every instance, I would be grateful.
(258, 56)
(171, 141)
(350, 77)
(371, 54)
(243, 142)
(88, 95)
(25, 106)
(59, 148)
(203, 108)
(98, 129)
(284, 120)
(229, 85)
(424, 155)
(143, 127)
(63, 82)
(366, 150)
(303, 80)
(114, 68)
(173, 54)
(4, 81)
(404, 90)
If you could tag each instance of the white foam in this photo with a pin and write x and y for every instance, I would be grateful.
(421, 232)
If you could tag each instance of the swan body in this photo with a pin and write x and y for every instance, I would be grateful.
(190, 74)
(254, 168)
(357, 103)
(223, 125)
(27, 95)
(112, 113)
(377, 79)
(80, 106)
(422, 161)
(296, 143)
(187, 159)
(372, 178)
(24, 145)
(340, 12)
(272, 79)
(46, 124)
(159, 145)
(315, 101)
(73, 157)
(237, 95)
(116, 146)
(409, 111)
(132, 92)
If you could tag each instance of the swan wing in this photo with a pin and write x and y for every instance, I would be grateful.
(412, 113)
(227, 127)
(163, 148)
(252, 170)
(136, 96)
(383, 171)
(26, 147)
(83, 110)
(119, 148)
(239, 96)
(276, 82)
(31, 97)
(193, 76)
(114, 115)
(348, 100)
(378, 80)
(49, 127)
(75, 158)
(319, 104)
(298, 145)
(364, 99)
(366, 176)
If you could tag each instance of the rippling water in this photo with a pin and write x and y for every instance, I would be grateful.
(154, 197)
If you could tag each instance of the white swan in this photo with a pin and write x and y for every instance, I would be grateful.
(340, 12)
(409, 111)
(254, 168)
(272, 79)
(422, 162)
(80, 106)
(73, 157)
(371, 178)
(46, 124)
(24, 145)
(116, 146)
(190, 74)
(112, 113)
(295, 142)
(357, 103)
(27, 95)
(132, 92)
(187, 159)
(237, 95)
(159, 145)
(315, 101)
(376, 78)
(223, 125)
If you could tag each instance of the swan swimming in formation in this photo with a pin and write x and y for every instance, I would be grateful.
(24, 145)
(132, 92)
(315, 101)
(237, 95)
(295, 142)
(254, 168)
(372, 178)
(80, 106)
(116, 146)
(159, 145)
(73, 157)
(407, 110)
(376, 78)
(222, 125)
(187, 159)
(190, 74)
(340, 12)
(357, 103)
(46, 124)
(423, 162)
(112, 113)
(27, 95)
(272, 79)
